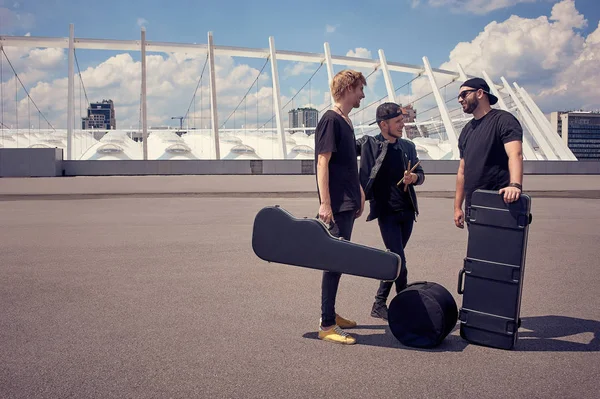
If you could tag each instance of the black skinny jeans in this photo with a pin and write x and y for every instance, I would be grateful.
(344, 222)
(396, 229)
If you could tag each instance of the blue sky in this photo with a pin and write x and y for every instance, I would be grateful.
(406, 29)
(406, 33)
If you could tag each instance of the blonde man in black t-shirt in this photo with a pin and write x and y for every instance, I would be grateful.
(340, 196)
(491, 149)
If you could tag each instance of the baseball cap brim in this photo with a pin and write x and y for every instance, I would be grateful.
(493, 98)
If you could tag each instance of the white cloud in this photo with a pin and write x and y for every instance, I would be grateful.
(546, 56)
(142, 22)
(359, 52)
(172, 79)
(298, 68)
(576, 87)
(415, 3)
(565, 13)
(473, 6)
(331, 28)
(47, 58)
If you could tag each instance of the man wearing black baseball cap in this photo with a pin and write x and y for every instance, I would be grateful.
(389, 170)
(491, 149)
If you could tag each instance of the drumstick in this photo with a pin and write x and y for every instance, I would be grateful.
(412, 170)
(414, 167)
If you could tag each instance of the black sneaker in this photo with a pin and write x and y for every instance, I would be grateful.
(379, 311)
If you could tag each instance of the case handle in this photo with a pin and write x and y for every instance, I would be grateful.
(461, 275)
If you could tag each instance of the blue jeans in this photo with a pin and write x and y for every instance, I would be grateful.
(344, 222)
(396, 229)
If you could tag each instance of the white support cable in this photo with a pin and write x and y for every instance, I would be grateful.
(80, 77)
(277, 97)
(531, 126)
(213, 95)
(461, 72)
(544, 127)
(559, 145)
(70, 93)
(494, 90)
(389, 85)
(450, 132)
(246, 95)
(193, 100)
(143, 97)
(18, 79)
(2, 125)
(330, 73)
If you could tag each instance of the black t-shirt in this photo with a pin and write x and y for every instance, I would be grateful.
(333, 134)
(388, 196)
(481, 145)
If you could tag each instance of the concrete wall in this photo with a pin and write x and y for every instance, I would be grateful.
(286, 167)
(33, 162)
(30, 162)
(529, 167)
(189, 167)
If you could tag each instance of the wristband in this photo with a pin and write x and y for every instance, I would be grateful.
(517, 185)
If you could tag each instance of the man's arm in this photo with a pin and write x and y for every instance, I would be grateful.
(360, 210)
(325, 212)
(359, 143)
(514, 150)
(459, 196)
(419, 172)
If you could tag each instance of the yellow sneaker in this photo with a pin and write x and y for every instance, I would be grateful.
(344, 323)
(337, 335)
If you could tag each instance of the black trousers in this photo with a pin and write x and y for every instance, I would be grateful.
(396, 229)
(344, 222)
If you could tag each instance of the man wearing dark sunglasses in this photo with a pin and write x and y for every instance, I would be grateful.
(491, 154)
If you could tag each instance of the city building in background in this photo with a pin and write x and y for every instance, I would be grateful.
(303, 118)
(100, 115)
(580, 130)
(409, 117)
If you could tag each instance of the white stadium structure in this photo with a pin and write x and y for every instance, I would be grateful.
(435, 137)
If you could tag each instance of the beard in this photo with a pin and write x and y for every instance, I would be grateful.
(471, 106)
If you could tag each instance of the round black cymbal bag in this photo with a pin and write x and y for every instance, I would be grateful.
(422, 315)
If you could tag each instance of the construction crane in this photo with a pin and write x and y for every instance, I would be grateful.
(181, 118)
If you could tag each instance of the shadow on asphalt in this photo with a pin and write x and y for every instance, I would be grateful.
(548, 334)
(452, 343)
(537, 334)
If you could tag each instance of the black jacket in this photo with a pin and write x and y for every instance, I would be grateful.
(372, 152)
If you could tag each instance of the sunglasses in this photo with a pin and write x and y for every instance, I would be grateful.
(465, 93)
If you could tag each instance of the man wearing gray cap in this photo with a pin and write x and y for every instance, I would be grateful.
(491, 149)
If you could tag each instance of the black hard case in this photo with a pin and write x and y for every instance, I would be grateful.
(491, 281)
(280, 237)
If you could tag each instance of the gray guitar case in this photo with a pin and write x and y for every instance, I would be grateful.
(279, 237)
